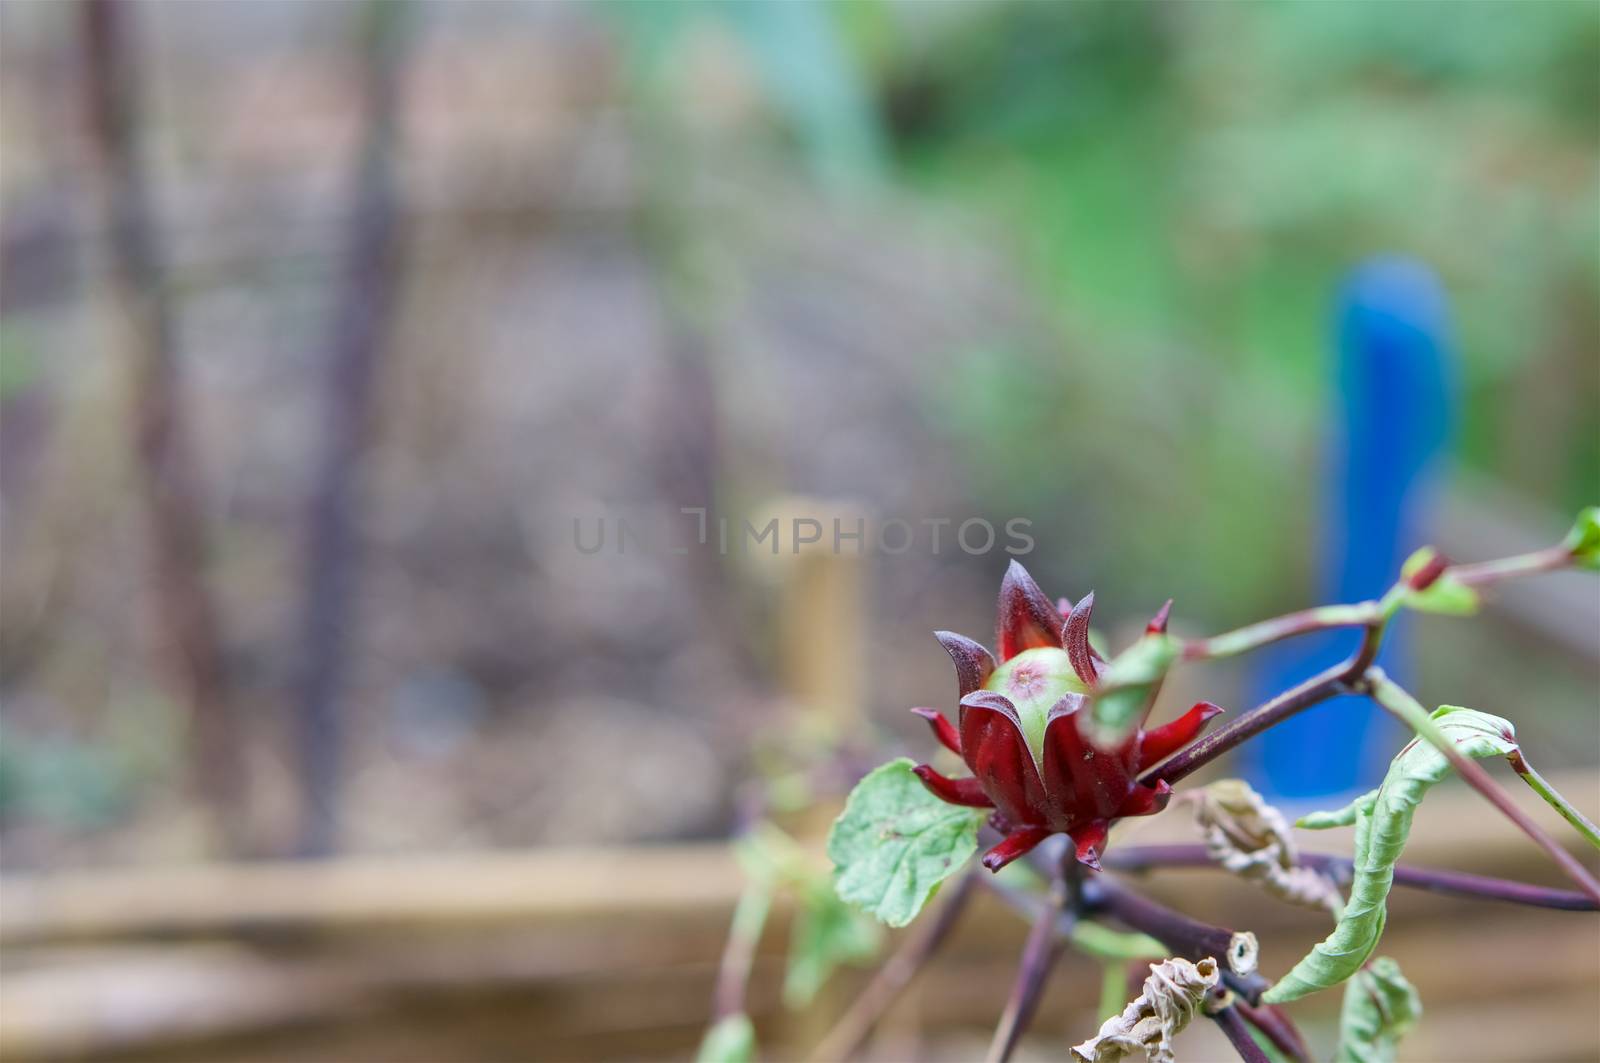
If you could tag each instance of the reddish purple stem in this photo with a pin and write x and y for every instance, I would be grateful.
(1184, 936)
(1450, 883)
(1486, 572)
(1239, 1034)
(1277, 1027)
(921, 942)
(1033, 972)
(1242, 728)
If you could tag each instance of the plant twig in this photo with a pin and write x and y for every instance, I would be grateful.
(1369, 614)
(1238, 1033)
(1554, 798)
(1485, 573)
(1372, 615)
(1262, 633)
(1038, 960)
(1137, 858)
(1236, 951)
(171, 479)
(1367, 652)
(1202, 751)
(1277, 1027)
(922, 941)
(1394, 698)
(738, 955)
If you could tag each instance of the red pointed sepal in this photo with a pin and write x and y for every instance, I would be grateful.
(1016, 844)
(1081, 781)
(943, 729)
(1089, 841)
(966, 792)
(1146, 800)
(998, 755)
(1160, 743)
(1075, 640)
(1027, 620)
(974, 665)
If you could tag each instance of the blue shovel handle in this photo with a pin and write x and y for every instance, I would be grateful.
(1395, 415)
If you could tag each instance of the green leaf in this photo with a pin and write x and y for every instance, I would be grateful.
(827, 932)
(1584, 538)
(1379, 1007)
(731, 1039)
(1128, 686)
(1382, 821)
(895, 842)
(1446, 595)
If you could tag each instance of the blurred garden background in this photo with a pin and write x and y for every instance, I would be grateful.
(323, 323)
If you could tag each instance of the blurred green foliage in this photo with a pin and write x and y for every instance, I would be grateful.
(1183, 187)
(76, 781)
(1189, 183)
(60, 781)
(19, 365)
(803, 63)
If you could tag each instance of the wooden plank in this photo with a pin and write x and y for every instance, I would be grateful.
(579, 954)
(367, 894)
(212, 1001)
(1453, 829)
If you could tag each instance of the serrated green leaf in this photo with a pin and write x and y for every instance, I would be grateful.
(895, 842)
(731, 1039)
(827, 932)
(1382, 821)
(1446, 596)
(1379, 1007)
(1584, 538)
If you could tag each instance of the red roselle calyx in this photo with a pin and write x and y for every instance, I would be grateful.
(1022, 730)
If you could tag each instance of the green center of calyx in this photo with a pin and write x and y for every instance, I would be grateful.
(1034, 680)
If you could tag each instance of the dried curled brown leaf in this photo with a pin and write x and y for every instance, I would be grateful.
(1251, 839)
(1173, 995)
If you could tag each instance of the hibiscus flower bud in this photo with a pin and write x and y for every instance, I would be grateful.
(1023, 725)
